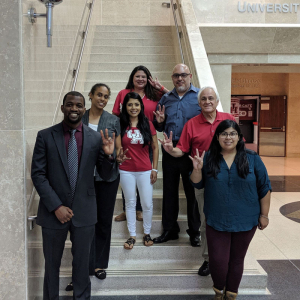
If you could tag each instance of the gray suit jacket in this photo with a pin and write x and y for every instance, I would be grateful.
(50, 176)
(112, 124)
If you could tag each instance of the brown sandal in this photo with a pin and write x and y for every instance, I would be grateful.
(129, 242)
(147, 240)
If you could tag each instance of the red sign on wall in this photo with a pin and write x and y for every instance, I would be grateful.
(247, 110)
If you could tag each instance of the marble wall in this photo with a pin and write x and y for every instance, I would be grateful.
(222, 76)
(12, 201)
(293, 112)
(227, 11)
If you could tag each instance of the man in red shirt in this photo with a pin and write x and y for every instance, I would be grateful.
(197, 133)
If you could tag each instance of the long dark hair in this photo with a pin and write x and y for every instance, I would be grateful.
(214, 155)
(150, 91)
(143, 122)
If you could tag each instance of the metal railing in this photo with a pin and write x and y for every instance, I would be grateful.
(79, 43)
(179, 33)
(183, 40)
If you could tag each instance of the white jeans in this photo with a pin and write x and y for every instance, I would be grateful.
(129, 181)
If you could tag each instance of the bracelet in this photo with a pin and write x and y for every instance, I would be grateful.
(264, 217)
(155, 170)
(162, 88)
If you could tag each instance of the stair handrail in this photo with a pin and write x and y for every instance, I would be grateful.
(174, 7)
(90, 5)
(183, 39)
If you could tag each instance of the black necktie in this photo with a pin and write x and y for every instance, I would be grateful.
(73, 161)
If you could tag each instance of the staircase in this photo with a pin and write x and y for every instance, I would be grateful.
(169, 268)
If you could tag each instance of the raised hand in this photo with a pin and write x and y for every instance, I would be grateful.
(167, 142)
(160, 114)
(108, 142)
(197, 161)
(122, 156)
(155, 83)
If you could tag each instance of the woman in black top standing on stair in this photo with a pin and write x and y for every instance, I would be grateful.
(106, 191)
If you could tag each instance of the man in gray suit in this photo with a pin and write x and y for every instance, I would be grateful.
(63, 164)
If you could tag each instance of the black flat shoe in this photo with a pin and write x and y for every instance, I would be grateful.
(166, 236)
(204, 269)
(69, 287)
(100, 274)
(195, 241)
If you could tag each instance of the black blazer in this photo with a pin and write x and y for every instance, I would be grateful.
(50, 176)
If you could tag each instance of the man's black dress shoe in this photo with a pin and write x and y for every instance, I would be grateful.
(195, 241)
(69, 287)
(166, 236)
(100, 274)
(204, 269)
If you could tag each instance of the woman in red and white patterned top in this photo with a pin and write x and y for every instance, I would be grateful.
(150, 90)
(138, 135)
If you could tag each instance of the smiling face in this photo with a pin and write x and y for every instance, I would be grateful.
(73, 110)
(181, 78)
(228, 139)
(208, 101)
(140, 80)
(133, 107)
(100, 97)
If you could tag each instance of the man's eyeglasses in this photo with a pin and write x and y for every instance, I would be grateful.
(232, 134)
(182, 75)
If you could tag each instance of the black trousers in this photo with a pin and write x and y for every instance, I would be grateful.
(53, 247)
(106, 193)
(172, 169)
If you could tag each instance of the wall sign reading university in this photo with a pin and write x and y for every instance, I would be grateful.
(268, 7)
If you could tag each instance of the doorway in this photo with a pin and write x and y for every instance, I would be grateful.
(272, 125)
(262, 120)
(245, 109)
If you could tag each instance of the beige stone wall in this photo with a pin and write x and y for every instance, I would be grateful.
(275, 84)
(226, 11)
(132, 12)
(293, 113)
(12, 201)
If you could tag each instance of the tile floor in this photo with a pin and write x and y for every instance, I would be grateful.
(277, 248)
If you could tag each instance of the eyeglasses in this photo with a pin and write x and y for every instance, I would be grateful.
(224, 134)
(182, 75)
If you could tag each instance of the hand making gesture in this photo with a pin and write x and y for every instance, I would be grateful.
(108, 142)
(121, 157)
(160, 114)
(155, 83)
(167, 142)
(197, 161)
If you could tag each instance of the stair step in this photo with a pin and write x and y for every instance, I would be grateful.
(133, 42)
(170, 278)
(131, 35)
(129, 66)
(120, 231)
(114, 85)
(112, 28)
(109, 75)
(134, 58)
(171, 253)
(154, 50)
